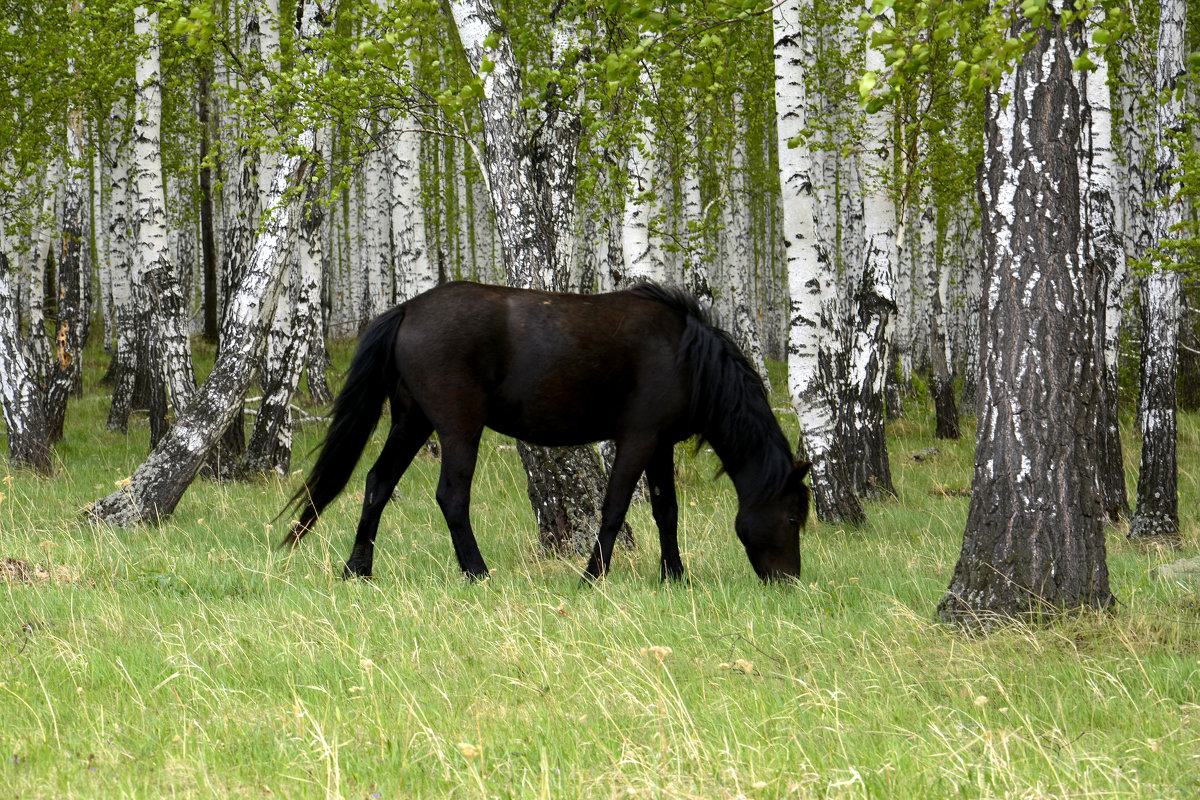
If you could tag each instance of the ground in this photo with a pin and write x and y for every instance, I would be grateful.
(195, 659)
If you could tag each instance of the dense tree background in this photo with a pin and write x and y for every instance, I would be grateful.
(810, 168)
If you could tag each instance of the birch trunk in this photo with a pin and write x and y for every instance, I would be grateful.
(644, 259)
(1101, 242)
(815, 358)
(874, 302)
(66, 367)
(941, 384)
(735, 241)
(21, 391)
(1157, 512)
(414, 268)
(1034, 540)
(152, 265)
(531, 173)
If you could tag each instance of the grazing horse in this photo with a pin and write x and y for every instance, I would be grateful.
(642, 367)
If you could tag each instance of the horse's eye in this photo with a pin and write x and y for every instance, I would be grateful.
(793, 521)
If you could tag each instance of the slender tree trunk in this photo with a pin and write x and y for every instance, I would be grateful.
(815, 358)
(1102, 245)
(941, 385)
(735, 240)
(1034, 540)
(66, 369)
(208, 243)
(1157, 512)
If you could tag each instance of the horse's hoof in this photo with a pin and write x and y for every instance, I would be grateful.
(351, 571)
(476, 575)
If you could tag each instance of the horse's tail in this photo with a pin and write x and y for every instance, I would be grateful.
(355, 413)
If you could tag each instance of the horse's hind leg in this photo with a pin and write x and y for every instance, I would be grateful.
(660, 475)
(404, 440)
(459, 454)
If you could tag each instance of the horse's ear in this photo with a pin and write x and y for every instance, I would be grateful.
(801, 469)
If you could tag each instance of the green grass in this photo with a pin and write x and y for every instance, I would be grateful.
(195, 660)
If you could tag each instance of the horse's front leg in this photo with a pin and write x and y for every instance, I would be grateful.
(660, 475)
(459, 454)
(628, 465)
(403, 442)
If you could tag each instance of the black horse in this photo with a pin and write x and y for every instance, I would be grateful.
(642, 367)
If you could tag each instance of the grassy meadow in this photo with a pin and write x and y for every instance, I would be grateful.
(193, 659)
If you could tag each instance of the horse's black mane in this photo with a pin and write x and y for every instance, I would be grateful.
(729, 405)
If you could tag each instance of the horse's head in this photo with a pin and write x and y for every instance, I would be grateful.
(770, 528)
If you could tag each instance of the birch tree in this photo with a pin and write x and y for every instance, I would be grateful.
(1101, 242)
(874, 302)
(21, 392)
(1157, 512)
(152, 267)
(814, 341)
(1034, 540)
(530, 160)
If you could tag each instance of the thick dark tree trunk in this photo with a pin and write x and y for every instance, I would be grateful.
(1034, 541)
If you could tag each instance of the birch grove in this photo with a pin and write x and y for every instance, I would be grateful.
(807, 170)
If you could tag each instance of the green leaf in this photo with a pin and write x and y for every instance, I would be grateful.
(1083, 64)
(865, 84)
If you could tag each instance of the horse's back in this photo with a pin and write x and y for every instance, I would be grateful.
(549, 368)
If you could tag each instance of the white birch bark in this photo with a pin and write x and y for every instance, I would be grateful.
(814, 354)
(21, 396)
(1157, 512)
(415, 270)
(530, 162)
(152, 265)
(123, 367)
(874, 299)
(644, 258)
(1101, 244)
(735, 247)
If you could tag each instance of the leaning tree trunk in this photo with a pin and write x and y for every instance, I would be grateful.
(531, 171)
(1157, 512)
(815, 359)
(270, 445)
(157, 485)
(1034, 540)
